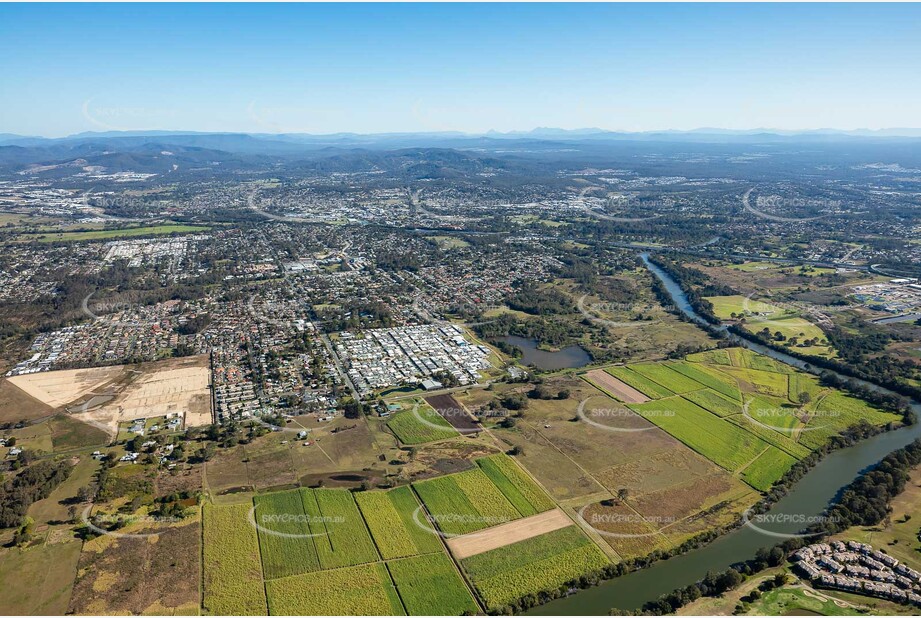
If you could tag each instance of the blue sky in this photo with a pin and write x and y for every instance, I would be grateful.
(470, 67)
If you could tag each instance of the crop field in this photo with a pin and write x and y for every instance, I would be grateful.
(803, 383)
(770, 466)
(411, 430)
(837, 411)
(340, 535)
(431, 586)
(776, 413)
(614, 387)
(515, 485)
(764, 382)
(544, 562)
(714, 402)
(662, 374)
(364, 590)
(712, 357)
(389, 515)
(782, 441)
(522, 529)
(465, 502)
(639, 382)
(714, 380)
(128, 232)
(725, 444)
(725, 306)
(285, 539)
(233, 572)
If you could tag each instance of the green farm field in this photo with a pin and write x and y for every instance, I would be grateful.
(465, 502)
(411, 430)
(504, 575)
(129, 232)
(364, 590)
(430, 585)
(389, 515)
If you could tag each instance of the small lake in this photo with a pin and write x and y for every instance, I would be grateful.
(567, 358)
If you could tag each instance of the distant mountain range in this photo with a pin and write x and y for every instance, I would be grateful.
(701, 134)
(419, 155)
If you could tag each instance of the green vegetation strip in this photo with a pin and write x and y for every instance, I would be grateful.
(431, 586)
(504, 575)
(411, 430)
(129, 232)
(639, 382)
(389, 515)
(515, 484)
(233, 572)
(364, 590)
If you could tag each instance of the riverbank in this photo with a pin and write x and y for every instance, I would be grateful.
(808, 497)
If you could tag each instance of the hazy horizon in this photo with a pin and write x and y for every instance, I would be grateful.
(371, 69)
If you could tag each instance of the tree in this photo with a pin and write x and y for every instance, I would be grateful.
(804, 398)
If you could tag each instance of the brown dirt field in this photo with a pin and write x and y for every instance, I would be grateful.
(162, 388)
(18, 405)
(449, 408)
(628, 533)
(661, 470)
(616, 387)
(59, 388)
(506, 534)
(158, 574)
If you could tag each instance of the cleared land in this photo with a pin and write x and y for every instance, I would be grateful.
(506, 534)
(162, 388)
(616, 387)
(453, 412)
(59, 388)
(18, 405)
(164, 578)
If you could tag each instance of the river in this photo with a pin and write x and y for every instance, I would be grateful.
(811, 495)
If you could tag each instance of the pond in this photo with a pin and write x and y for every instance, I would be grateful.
(573, 356)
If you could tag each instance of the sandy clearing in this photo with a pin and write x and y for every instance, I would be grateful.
(162, 388)
(616, 387)
(59, 388)
(506, 534)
